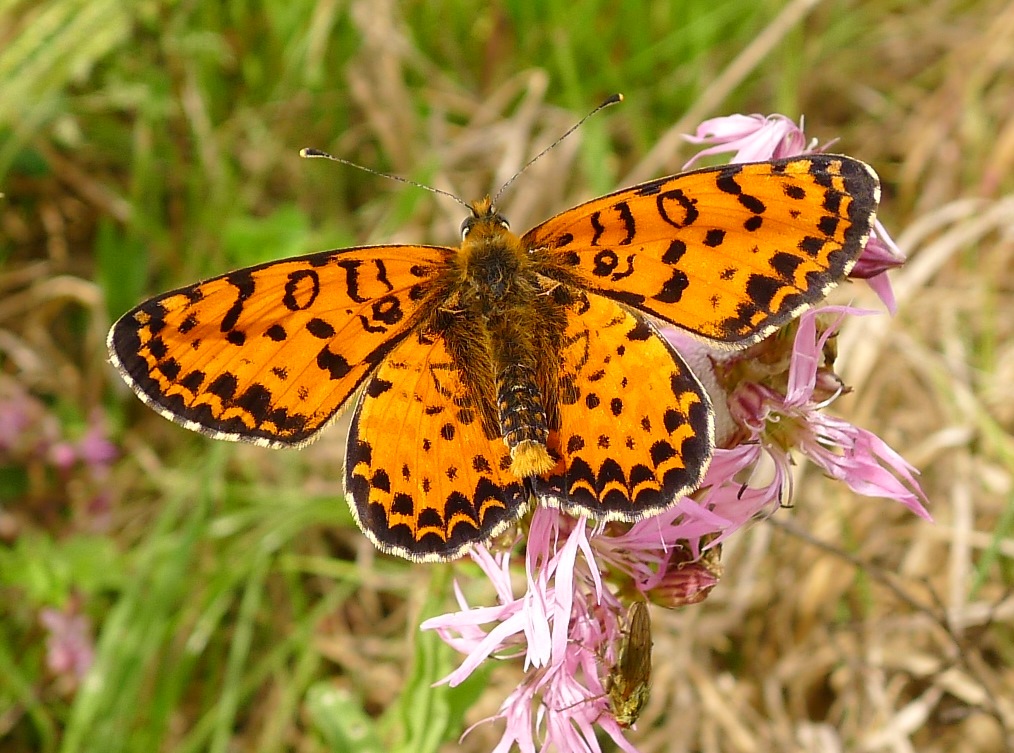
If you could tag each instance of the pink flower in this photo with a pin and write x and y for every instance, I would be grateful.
(686, 580)
(753, 138)
(32, 436)
(880, 255)
(62, 455)
(94, 448)
(70, 652)
(567, 624)
(27, 429)
(796, 420)
(561, 624)
(14, 421)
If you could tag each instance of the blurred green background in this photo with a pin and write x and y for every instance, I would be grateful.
(222, 596)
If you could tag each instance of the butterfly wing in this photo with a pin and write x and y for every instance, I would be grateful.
(269, 354)
(635, 426)
(423, 479)
(729, 253)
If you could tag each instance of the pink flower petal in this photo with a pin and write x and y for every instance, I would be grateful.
(753, 138)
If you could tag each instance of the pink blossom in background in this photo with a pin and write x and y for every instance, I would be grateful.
(32, 437)
(94, 448)
(753, 138)
(70, 651)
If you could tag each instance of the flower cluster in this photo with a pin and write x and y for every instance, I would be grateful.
(54, 469)
(34, 439)
(770, 402)
(70, 649)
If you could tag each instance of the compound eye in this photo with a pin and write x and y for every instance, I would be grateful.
(504, 224)
(466, 226)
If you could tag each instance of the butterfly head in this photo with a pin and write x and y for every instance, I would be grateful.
(484, 220)
(491, 254)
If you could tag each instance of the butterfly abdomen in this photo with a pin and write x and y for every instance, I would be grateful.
(523, 420)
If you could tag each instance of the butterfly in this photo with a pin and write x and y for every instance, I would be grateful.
(512, 368)
(628, 683)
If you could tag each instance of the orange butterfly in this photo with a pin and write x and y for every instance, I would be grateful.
(511, 367)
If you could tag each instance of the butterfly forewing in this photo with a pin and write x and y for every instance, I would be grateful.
(269, 354)
(730, 253)
(636, 427)
(424, 480)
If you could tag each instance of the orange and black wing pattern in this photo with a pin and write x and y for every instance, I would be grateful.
(424, 479)
(728, 253)
(635, 426)
(269, 354)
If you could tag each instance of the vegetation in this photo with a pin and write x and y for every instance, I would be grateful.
(228, 598)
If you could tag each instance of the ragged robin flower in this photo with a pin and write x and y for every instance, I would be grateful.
(770, 401)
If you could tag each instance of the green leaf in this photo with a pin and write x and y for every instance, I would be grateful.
(340, 719)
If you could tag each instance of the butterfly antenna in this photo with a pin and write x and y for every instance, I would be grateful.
(610, 101)
(309, 153)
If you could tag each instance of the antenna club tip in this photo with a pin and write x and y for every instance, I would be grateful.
(309, 152)
(618, 97)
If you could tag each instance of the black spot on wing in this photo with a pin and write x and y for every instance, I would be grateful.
(627, 218)
(794, 192)
(255, 400)
(193, 380)
(170, 368)
(828, 225)
(334, 364)
(785, 265)
(762, 289)
(188, 324)
(301, 290)
(224, 386)
(811, 245)
(672, 289)
(714, 238)
(157, 347)
(320, 329)
(651, 187)
(244, 283)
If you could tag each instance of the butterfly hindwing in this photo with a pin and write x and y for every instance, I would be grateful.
(729, 253)
(423, 479)
(635, 428)
(270, 353)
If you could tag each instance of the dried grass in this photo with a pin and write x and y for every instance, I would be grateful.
(842, 624)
